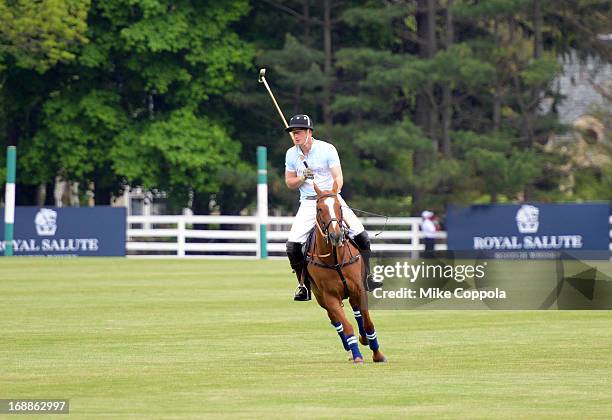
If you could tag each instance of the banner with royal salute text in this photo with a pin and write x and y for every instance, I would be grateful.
(69, 232)
(506, 257)
(531, 231)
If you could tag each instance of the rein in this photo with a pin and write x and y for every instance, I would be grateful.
(323, 235)
(371, 214)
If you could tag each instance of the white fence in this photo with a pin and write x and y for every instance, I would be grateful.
(238, 236)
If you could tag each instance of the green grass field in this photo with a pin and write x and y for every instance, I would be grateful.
(200, 338)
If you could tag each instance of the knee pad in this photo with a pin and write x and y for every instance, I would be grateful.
(363, 241)
(294, 252)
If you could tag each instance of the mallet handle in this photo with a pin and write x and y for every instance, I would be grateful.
(265, 82)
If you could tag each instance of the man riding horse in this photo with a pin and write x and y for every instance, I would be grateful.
(315, 161)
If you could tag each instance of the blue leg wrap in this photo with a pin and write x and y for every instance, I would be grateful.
(340, 331)
(373, 340)
(354, 346)
(359, 320)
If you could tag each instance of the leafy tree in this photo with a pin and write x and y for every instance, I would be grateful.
(34, 37)
(175, 154)
(140, 103)
(40, 34)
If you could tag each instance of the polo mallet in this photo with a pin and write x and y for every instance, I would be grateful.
(262, 79)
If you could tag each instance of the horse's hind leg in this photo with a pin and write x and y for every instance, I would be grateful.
(345, 331)
(377, 356)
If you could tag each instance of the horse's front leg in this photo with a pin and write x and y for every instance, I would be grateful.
(359, 319)
(345, 331)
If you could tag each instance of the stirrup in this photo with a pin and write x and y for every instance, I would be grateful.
(372, 284)
(302, 294)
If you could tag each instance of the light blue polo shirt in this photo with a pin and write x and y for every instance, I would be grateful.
(322, 157)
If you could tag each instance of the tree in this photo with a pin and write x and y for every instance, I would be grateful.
(34, 37)
(153, 77)
(38, 35)
(176, 155)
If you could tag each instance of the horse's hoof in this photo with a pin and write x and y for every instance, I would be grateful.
(380, 360)
(349, 355)
(363, 340)
(358, 361)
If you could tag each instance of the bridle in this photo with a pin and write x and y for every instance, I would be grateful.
(347, 257)
(324, 227)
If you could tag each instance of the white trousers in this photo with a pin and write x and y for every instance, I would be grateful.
(305, 220)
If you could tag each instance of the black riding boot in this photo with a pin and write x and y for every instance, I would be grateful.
(363, 243)
(298, 264)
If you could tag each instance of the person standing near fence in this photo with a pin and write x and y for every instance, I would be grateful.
(428, 227)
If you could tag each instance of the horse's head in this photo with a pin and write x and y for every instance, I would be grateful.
(329, 215)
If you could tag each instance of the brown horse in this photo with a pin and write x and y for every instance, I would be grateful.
(336, 270)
